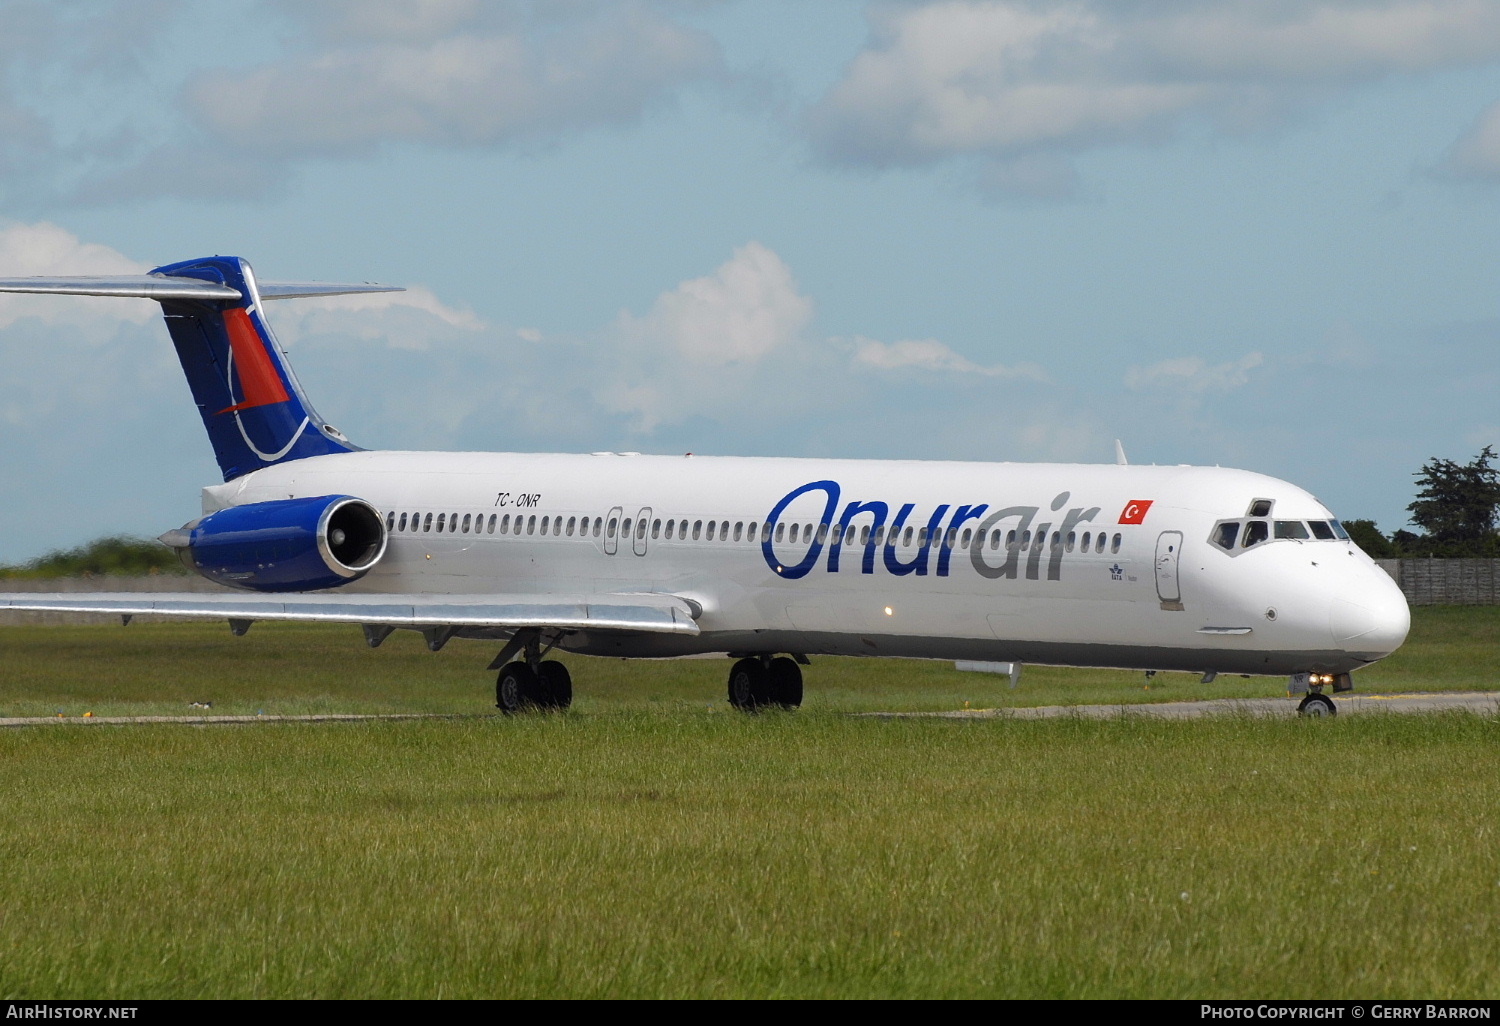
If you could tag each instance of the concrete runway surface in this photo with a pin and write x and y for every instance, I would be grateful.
(1484, 702)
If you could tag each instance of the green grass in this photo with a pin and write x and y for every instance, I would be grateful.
(650, 854)
(156, 669)
(651, 843)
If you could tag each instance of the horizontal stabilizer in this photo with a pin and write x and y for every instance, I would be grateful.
(666, 614)
(138, 286)
(161, 286)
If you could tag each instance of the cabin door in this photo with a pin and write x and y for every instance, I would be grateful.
(1168, 554)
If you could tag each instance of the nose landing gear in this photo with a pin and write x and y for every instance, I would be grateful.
(1316, 706)
(1310, 685)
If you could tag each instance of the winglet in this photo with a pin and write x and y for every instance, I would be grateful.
(1120, 454)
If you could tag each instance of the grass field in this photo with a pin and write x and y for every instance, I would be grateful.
(151, 669)
(649, 843)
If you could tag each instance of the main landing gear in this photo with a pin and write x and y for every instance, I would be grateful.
(760, 682)
(532, 683)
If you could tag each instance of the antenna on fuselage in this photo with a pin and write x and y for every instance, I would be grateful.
(1120, 459)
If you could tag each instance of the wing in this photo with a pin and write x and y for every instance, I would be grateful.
(649, 612)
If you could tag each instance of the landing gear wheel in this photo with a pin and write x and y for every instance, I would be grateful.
(749, 685)
(785, 682)
(516, 689)
(556, 685)
(1316, 706)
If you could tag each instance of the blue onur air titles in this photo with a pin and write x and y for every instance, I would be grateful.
(833, 532)
(251, 404)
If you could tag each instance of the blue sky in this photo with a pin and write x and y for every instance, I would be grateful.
(1263, 234)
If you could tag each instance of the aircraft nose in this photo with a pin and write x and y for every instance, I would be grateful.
(1371, 622)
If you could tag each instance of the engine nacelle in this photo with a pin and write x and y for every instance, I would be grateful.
(284, 545)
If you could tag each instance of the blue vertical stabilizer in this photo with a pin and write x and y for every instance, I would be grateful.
(251, 404)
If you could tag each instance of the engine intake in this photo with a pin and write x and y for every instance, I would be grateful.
(284, 545)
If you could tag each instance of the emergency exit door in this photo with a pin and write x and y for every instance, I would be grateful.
(1168, 555)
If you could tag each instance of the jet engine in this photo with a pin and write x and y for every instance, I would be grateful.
(284, 545)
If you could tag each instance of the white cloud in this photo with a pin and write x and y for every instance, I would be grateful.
(1002, 79)
(472, 87)
(930, 355)
(1476, 154)
(1193, 376)
(743, 311)
(28, 250)
(413, 319)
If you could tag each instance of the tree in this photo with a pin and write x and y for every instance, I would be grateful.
(1456, 505)
(118, 555)
(1368, 537)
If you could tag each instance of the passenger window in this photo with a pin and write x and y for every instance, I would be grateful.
(1072, 539)
(1088, 539)
(750, 531)
(780, 532)
(466, 523)
(1057, 539)
(712, 525)
(403, 523)
(1293, 529)
(698, 529)
(995, 538)
(1010, 539)
(864, 535)
(427, 523)
(1114, 545)
(968, 536)
(1099, 542)
(531, 525)
(1256, 532)
(1321, 530)
(492, 522)
(822, 533)
(739, 530)
(441, 517)
(1226, 533)
(906, 537)
(545, 522)
(598, 526)
(656, 528)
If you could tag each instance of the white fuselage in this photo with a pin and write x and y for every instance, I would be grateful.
(1013, 570)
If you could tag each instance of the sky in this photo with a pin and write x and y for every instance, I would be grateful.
(1257, 234)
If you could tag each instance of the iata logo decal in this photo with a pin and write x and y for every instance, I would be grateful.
(1135, 511)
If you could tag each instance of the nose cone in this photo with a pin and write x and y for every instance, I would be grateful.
(1370, 623)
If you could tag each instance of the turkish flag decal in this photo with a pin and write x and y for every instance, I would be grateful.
(1135, 511)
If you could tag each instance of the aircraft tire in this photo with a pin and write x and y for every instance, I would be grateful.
(749, 685)
(785, 682)
(516, 689)
(1317, 706)
(555, 689)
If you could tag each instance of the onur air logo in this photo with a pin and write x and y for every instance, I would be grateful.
(874, 533)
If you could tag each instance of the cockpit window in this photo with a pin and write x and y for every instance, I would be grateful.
(1321, 530)
(1260, 508)
(1294, 529)
(1226, 534)
(1256, 531)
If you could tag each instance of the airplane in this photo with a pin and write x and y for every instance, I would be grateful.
(766, 560)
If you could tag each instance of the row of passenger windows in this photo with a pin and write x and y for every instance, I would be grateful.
(723, 530)
(1253, 532)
